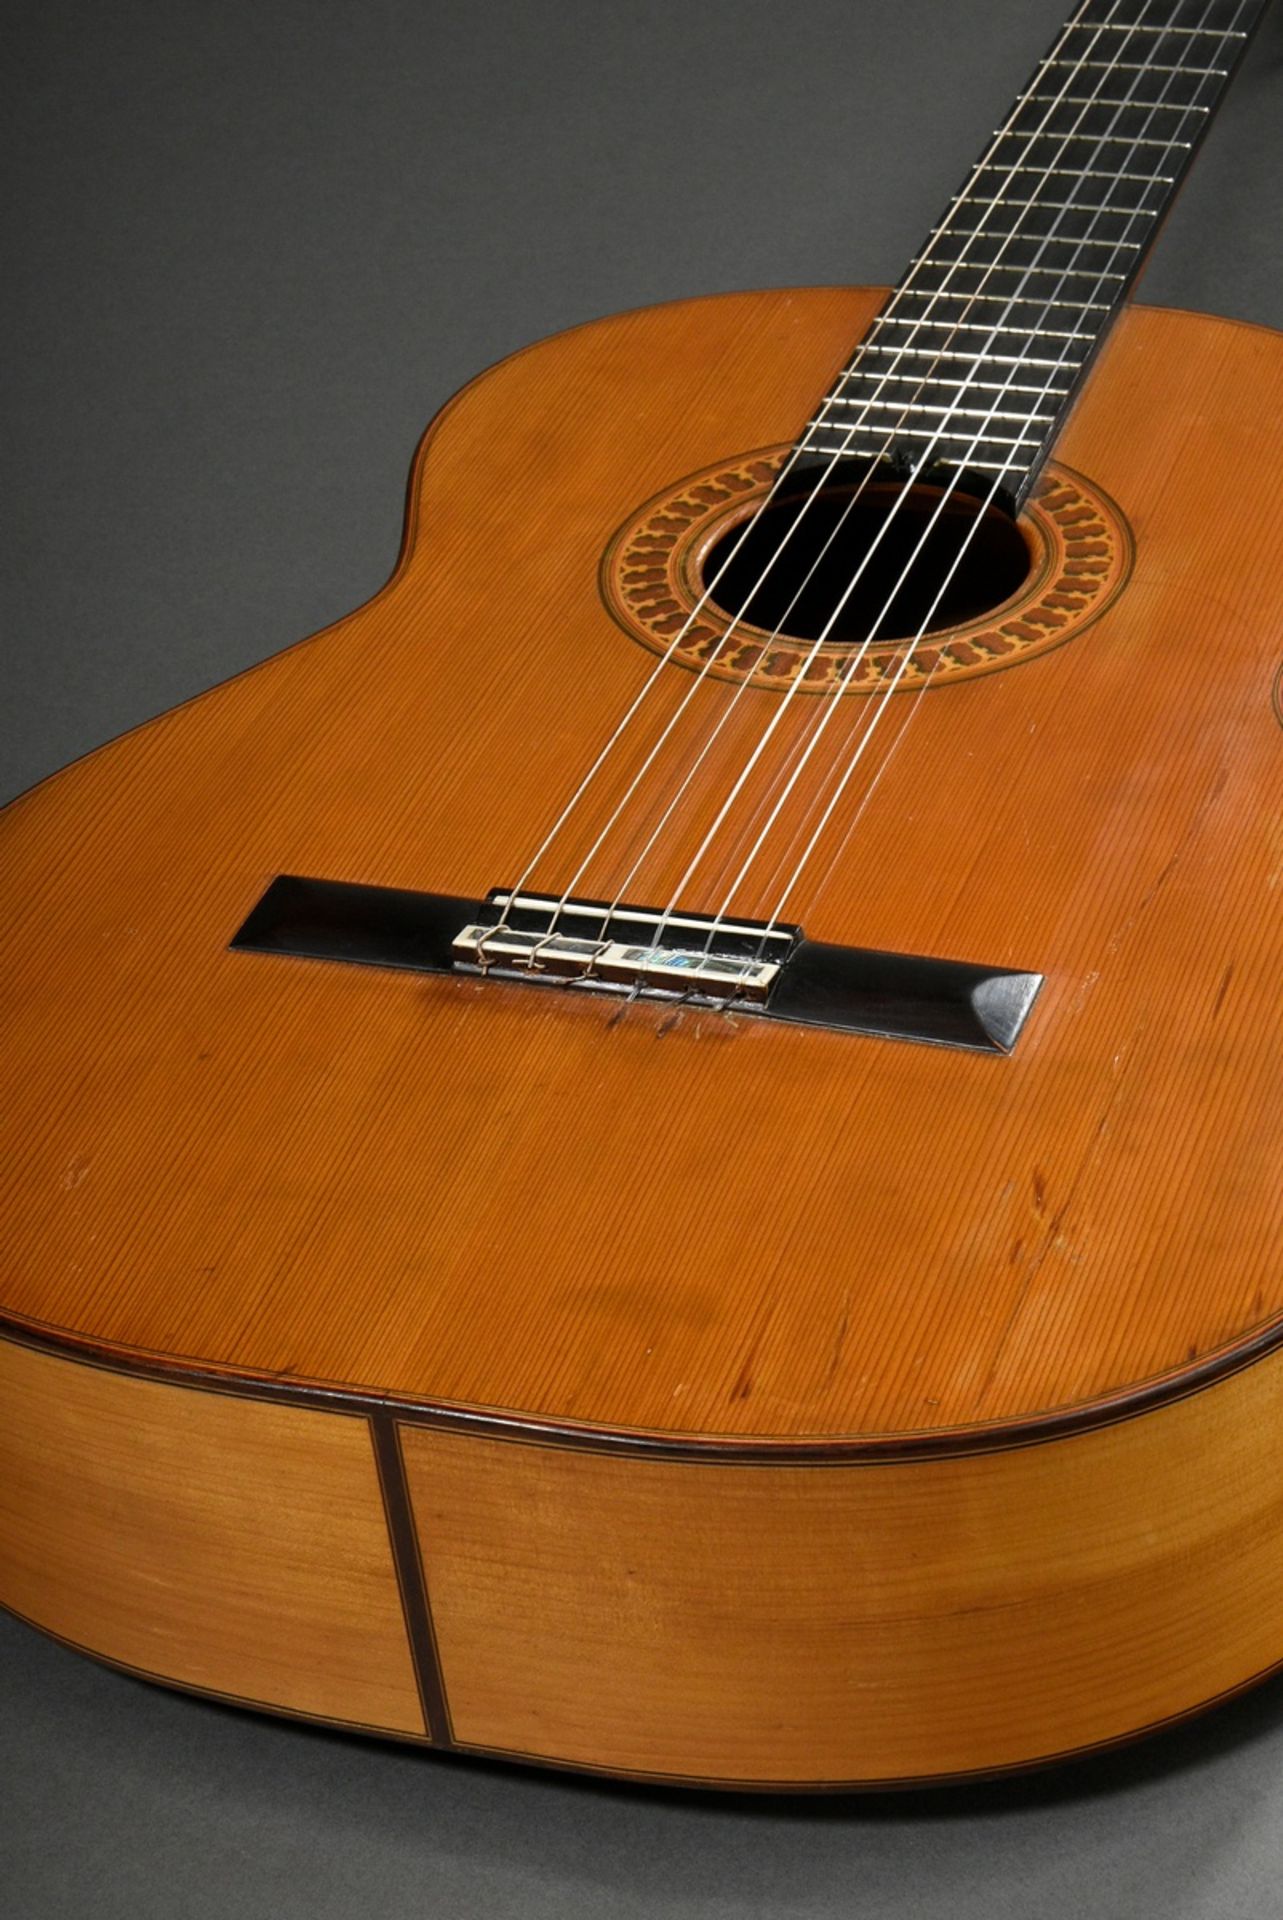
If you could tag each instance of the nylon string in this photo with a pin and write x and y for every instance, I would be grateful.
(901, 351)
(922, 463)
(884, 698)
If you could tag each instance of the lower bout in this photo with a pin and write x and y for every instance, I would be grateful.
(699, 1621)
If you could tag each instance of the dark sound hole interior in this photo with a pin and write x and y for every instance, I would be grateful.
(801, 554)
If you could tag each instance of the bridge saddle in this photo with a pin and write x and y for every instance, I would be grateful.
(627, 949)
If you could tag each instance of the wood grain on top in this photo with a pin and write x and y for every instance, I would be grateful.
(497, 1196)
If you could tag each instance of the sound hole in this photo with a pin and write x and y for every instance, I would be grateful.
(801, 554)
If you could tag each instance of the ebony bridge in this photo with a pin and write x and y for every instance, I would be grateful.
(743, 967)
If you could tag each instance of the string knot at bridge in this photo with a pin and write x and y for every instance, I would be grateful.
(627, 949)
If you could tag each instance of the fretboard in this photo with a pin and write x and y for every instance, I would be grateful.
(979, 352)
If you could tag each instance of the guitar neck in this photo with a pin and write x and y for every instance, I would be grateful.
(979, 352)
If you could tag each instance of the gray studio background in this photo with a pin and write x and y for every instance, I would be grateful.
(251, 249)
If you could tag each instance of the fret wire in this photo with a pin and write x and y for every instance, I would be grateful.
(1059, 239)
(1032, 135)
(972, 294)
(949, 412)
(1146, 66)
(1001, 266)
(984, 386)
(991, 359)
(983, 326)
(890, 319)
(1079, 173)
(1099, 139)
(934, 433)
(1116, 26)
(1052, 239)
(1018, 266)
(1064, 206)
(1076, 100)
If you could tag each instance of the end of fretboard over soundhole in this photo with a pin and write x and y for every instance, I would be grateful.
(901, 465)
(742, 967)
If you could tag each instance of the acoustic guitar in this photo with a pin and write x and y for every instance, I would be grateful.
(660, 1152)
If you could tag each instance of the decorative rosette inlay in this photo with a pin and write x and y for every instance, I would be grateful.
(1080, 556)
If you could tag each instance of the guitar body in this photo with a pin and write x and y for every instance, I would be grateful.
(636, 1387)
